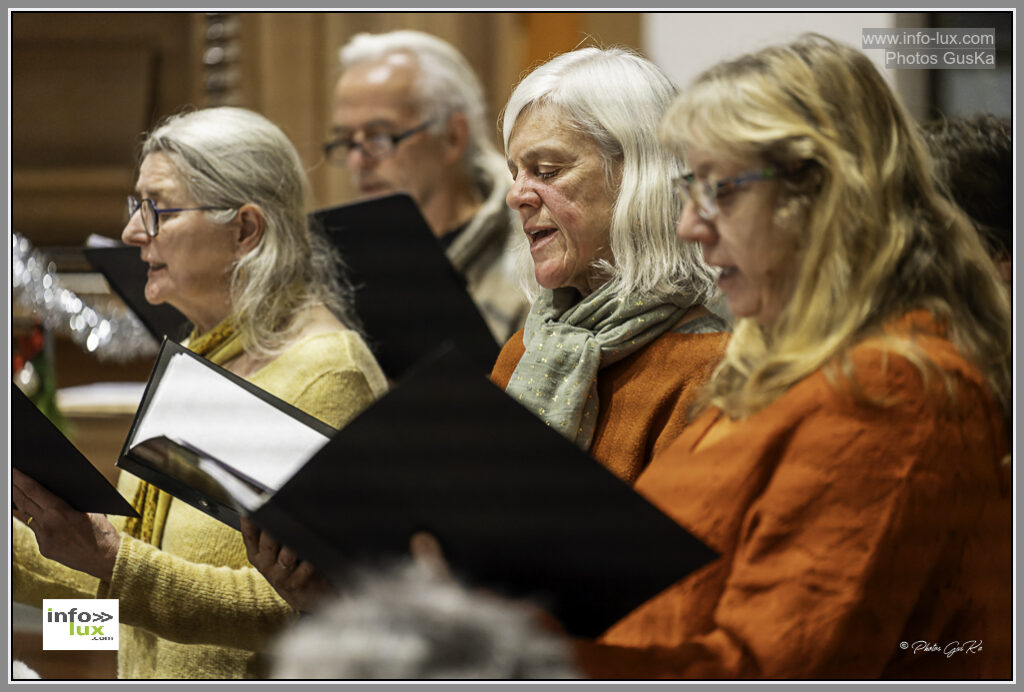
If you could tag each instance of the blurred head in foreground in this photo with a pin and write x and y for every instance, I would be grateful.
(407, 623)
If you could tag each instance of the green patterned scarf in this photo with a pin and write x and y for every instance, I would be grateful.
(568, 340)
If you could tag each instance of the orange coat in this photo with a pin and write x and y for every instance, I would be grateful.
(855, 539)
(643, 398)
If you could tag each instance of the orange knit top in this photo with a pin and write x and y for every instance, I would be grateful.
(643, 398)
(856, 540)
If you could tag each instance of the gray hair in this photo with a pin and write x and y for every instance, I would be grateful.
(408, 623)
(617, 98)
(230, 157)
(446, 85)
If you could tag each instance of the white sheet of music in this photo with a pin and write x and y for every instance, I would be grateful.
(194, 404)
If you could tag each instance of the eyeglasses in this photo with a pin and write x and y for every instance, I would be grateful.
(375, 146)
(705, 194)
(151, 215)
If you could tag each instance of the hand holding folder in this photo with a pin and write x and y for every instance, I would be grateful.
(214, 440)
(84, 541)
(515, 506)
(41, 452)
(297, 581)
(55, 485)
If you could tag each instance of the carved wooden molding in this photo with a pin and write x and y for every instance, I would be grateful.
(222, 57)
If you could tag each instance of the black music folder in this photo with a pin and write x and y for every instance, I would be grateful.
(515, 506)
(213, 440)
(408, 295)
(126, 273)
(40, 450)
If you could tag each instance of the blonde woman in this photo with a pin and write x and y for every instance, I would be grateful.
(219, 214)
(850, 462)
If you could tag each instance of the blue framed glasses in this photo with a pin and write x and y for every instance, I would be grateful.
(375, 146)
(705, 194)
(151, 215)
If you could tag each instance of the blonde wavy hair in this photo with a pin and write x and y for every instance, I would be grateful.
(878, 240)
(228, 157)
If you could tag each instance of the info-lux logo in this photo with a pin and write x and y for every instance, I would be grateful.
(87, 624)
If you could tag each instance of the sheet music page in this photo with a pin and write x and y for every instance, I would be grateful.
(195, 404)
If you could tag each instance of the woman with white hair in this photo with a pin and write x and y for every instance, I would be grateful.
(618, 340)
(220, 218)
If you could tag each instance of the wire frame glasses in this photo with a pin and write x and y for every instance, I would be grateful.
(151, 215)
(705, 194)
(377, 146)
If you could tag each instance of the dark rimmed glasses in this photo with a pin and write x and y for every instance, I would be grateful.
(376, 146)
(151, 215)
(705, 194)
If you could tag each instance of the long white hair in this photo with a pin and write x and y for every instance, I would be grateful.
(228, 157)
(617, 98)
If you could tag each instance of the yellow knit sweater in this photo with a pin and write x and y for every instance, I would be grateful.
(192, 606)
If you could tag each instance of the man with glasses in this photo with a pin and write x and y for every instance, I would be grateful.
(409, 116)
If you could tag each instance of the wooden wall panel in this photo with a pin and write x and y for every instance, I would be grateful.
(84, 87)
(550, 33)
(164, 33)
(113, 82)
(608, 29)
(62, 205)
(289, 90)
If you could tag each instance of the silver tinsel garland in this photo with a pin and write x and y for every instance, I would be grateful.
(38, 288)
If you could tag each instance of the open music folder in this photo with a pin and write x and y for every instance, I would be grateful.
(41, 451)
(516, 507)
(408, 295)
(212, 439)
